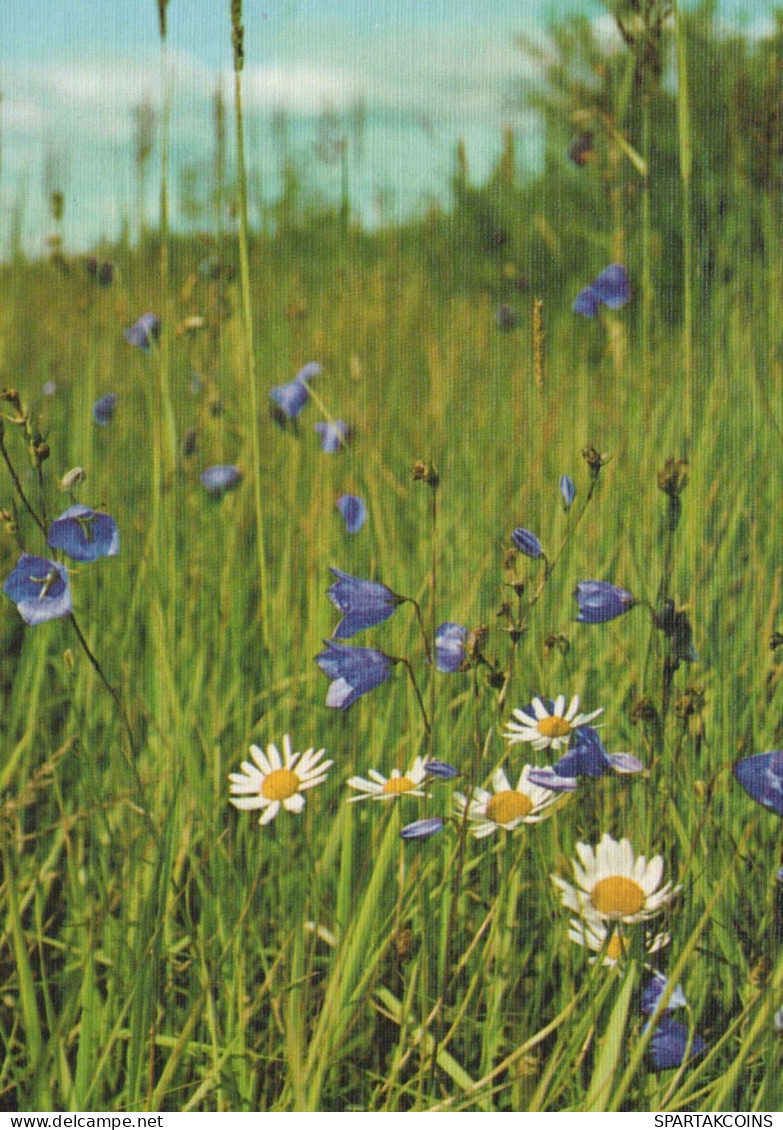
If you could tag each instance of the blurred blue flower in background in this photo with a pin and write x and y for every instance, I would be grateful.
(506, 318)
(334, 435)
(289, 399)
(761, 775)
(353, 511)
(611, 288)
(362, 603)
(217, 480)
(354, 671)
(600, 601)
(450, 647)
(103, 409)
(84, 534)
(144, 331)
(39, 588)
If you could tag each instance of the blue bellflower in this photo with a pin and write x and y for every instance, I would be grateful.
(144, 331)
(353, 511)
(586, 757)
(334, 435)
(84, 534)
(600, 601)
(761, 775)
(526, 542)
(611, 288)
(103, 409)
(450, 647)
(39, 588)
(653, 992)
(567, 490)
(217, 480)
(362, 603)
(670, 1042)
(353, 670)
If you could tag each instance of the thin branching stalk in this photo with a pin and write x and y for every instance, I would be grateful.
(248, 350)
(686, 168)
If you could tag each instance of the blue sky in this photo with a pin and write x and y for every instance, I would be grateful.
(427, 71)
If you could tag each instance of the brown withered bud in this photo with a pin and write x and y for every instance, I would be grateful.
(11, 396)
(643, 710)
(676, 627)
(775, 640)
(425, 473)
(505, 612)
(189, 442)
(403, 942)
(476, 641)
(41, 451)
(673, 477)
(759, 974)
(557, 643)
(594, 460)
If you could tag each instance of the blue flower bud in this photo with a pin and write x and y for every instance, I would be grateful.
(600, 601)
(421, 829)
(567, 490)
(527, 543)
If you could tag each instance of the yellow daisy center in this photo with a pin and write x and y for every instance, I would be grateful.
(507, 806)
(396, 785)
(618, 897)
(280, 785)
(554, 727)
(617, 948)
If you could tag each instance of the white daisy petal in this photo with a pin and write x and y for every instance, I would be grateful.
(260, 759)
(270, 813)
(249, 802)
(500, 781)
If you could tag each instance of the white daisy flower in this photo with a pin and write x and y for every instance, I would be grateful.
(274, 781)
(614, 885)
(592, 933)
(548, 728)
(387, 788)
(504, 807)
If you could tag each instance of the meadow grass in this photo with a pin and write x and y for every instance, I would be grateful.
(161, 951)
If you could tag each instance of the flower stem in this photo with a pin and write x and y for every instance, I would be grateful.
(134, 748)
(406, 664)
(18, 486)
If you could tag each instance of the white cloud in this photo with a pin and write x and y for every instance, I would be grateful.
(300, 88)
